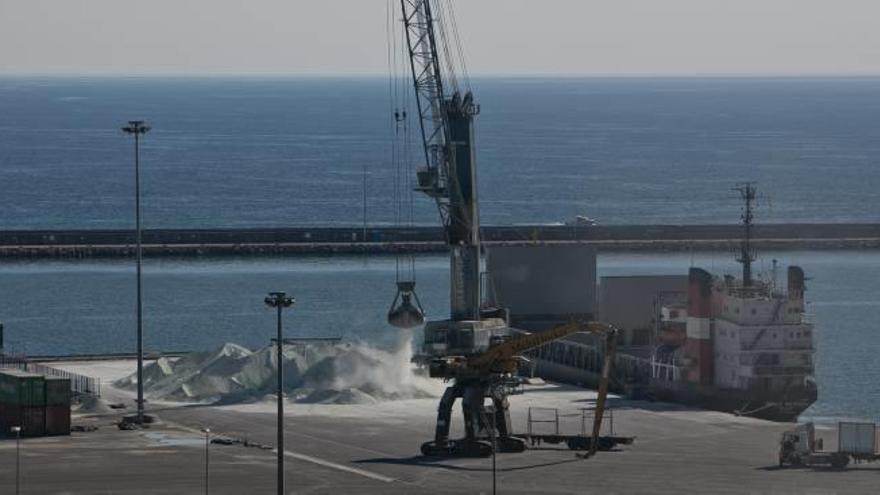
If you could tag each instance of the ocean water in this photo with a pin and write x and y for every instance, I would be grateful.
(258, 152)
(228, 152)
(88, 306)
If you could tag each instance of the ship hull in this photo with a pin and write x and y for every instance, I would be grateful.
(780, 405)
(783, 406)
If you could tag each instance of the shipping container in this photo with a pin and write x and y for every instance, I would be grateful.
(58, 420)
(31, 419)
(10, 415)
(23, 402)
(857, 438)
(19, 388)
(57, 391)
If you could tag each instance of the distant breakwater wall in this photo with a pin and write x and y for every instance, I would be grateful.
(389, 240)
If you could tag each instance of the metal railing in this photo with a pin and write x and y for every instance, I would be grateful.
(79, 384)
(666, 372)
(550, 416)
(538, 415)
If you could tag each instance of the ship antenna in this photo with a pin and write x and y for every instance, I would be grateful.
(747, 191)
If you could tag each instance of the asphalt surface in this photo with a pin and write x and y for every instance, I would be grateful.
(676, 451)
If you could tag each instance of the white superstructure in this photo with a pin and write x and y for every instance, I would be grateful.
(732, 336)
(761, 337)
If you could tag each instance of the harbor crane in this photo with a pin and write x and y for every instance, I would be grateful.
(492, 374)
(474, 349)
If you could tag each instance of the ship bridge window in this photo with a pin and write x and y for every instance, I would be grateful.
(754, 311)
(736, 310)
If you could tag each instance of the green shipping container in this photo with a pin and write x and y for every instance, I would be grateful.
(19, 388)
(57, 391)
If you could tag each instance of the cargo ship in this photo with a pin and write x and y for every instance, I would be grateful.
(736, 344)
(742, 345)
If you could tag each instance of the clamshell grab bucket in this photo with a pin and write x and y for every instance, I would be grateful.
(406, 309)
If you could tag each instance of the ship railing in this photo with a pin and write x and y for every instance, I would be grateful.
(779, 346)
(665, 371)
(567, 353)
(588, 357)
(764, 370)
(635, 367)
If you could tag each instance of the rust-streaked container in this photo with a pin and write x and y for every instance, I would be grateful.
(57, 391)
(31, 419)
(57, 406)
(10, 415)
(22, 403)
(58, 420)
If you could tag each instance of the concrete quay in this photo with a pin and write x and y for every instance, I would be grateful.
(374, 449)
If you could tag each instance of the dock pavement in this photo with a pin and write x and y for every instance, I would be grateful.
(374, 449)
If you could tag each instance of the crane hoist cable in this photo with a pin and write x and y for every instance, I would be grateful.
(406, 310)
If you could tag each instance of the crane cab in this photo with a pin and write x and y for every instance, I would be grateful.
(462, 338)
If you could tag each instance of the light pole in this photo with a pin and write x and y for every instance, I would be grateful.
(17, 431)
(493, 437)
(494, 451)
(280, 300)
(137, 128)
(207, 432)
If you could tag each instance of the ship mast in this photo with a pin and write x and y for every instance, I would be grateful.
(747, 255)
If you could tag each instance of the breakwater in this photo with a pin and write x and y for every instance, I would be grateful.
(377, 240)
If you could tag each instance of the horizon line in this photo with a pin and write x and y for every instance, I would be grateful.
(483, 75)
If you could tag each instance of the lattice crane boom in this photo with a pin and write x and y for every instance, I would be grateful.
(449, 175)
(418, 20)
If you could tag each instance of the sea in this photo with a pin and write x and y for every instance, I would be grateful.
(253, 151)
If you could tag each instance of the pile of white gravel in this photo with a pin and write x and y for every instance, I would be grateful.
(318, 374)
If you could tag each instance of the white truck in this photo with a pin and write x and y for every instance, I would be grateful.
(856, 441)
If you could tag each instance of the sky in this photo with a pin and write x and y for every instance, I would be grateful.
(524, 37)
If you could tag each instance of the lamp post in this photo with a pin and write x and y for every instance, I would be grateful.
(137, 128)
(207, 432)
(280, 300)
(489, 419)
(17, 431)
(494, 451)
